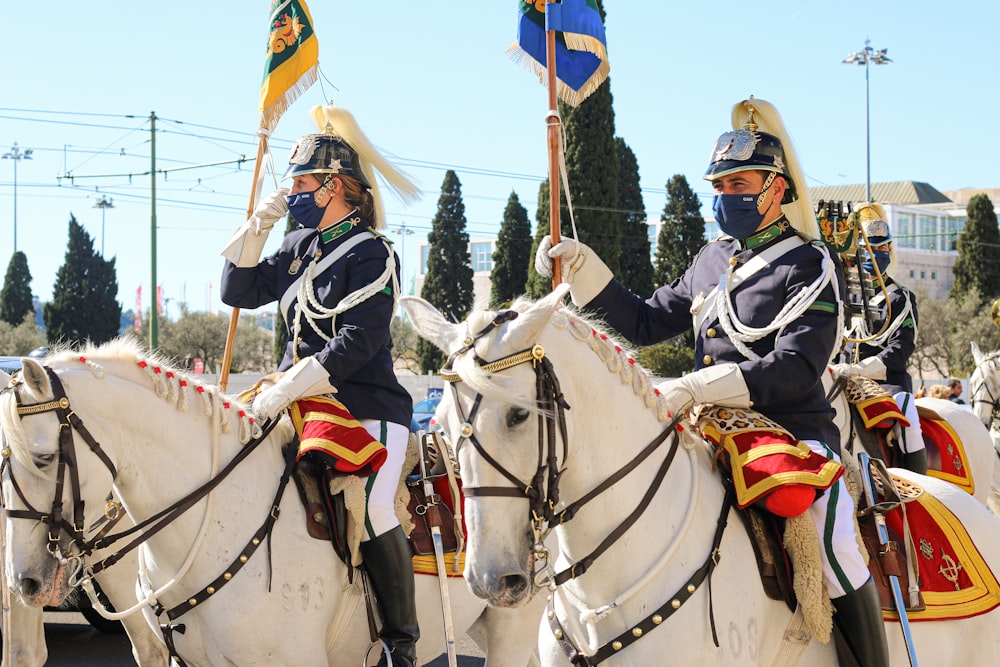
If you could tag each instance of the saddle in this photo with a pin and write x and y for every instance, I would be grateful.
(327, 514)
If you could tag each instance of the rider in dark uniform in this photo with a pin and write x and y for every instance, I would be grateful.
(890, 342)
(337, 279)
(762, 339)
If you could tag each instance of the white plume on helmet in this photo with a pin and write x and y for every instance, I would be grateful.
(342, 123)
(800, 213)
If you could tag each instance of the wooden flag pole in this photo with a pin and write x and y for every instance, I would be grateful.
(554, 126)
(234, 317)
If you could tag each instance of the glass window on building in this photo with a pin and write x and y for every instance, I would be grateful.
(912, 274)
(905, 231)
(954, 227)
(651, 232)
(482, 256)
(933, 275)
(927, 231)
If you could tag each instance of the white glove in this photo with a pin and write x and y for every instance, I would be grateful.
(246, 245)
(872, 367)
(582, 269)
(720, 385)
(306, 378)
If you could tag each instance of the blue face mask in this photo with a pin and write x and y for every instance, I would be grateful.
(737, 215)
(304, 209)
(882, 259)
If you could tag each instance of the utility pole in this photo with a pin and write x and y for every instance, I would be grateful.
(864, 57)
(16, 154)
(154, 325)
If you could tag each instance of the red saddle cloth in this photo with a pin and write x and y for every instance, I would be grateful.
(325, 426)
(767, 462)
(955, 580)
(946, 458)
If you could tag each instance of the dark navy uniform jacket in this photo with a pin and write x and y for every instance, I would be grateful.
(785, 383)
(357, 356)
(895, 354)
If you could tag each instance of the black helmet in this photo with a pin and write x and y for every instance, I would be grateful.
(746, 150)
(324, 154)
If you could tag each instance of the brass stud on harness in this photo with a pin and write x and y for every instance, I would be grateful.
(691, 588)
(63, 402)
(210, 590)
(5, 452)
(466, 430)
(616, 646)
(558, 634)
(657, 619)
(637, 632)
(227, 576)
(675, 604)
(192, 602)
(243, 559)
(537, 352)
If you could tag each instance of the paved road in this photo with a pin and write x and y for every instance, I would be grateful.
(73, 642)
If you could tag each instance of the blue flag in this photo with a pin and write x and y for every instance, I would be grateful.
(581, 53)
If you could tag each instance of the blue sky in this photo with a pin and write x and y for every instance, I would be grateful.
(431, 85)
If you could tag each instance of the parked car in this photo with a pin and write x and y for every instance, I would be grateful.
(424, 410)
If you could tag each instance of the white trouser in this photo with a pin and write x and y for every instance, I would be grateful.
(844, 568)
(380, 516)
(913, 438)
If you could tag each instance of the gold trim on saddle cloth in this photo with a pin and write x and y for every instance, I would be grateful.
(874, 404)
(955, 580)
(762, 455)
(325, 425)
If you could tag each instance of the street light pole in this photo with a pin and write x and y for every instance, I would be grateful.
(104, 205)
(403, 232)
(16, 154)
(864, 57)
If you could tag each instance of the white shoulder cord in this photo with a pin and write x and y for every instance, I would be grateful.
(308, 306)
(881, 340)
(742, 334)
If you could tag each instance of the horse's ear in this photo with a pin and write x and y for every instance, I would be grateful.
(35, 377)
(528, 326)
(977, 354)
(431, 324)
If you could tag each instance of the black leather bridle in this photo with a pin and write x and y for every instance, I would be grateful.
(984, 387)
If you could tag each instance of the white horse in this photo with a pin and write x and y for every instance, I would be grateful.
(979, 447)
(613, 418)
(984, 394)
(159, 435)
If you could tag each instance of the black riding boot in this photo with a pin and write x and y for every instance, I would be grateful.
(390, 571)
(917, 461)
(859, 617)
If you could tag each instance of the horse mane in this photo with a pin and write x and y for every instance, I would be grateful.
(169, 382)
(615, 354)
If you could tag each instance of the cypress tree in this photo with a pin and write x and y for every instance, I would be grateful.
(512, 254)
(976, 267)
(636, 269)
(15, 298)
(83, 306)
(682, 233)
(448, 285)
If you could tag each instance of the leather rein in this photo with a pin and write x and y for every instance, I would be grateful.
(542, 492)
(69, 422)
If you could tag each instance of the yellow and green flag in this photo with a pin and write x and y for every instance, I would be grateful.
(292, 59)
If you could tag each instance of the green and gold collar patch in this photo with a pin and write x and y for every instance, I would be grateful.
(766, 235)
(336, 230)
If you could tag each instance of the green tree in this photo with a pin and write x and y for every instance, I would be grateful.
(512, 254)
(404, 343)
(944, 332)
(18, 341)
(83, 305)
(669, 359)
(636, 271)
(538, 286)
(448, 284)
(15, 297)
(977, 267)
(682, 233)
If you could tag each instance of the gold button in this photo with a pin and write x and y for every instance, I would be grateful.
(710, 332)
(707, 360)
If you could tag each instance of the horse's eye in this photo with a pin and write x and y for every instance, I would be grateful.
(42, 460)
(516, 417)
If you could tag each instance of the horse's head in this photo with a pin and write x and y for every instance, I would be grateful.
(529, 390)
(984, 387)
(47, 477)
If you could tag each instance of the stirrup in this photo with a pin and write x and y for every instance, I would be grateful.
(384, 649)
